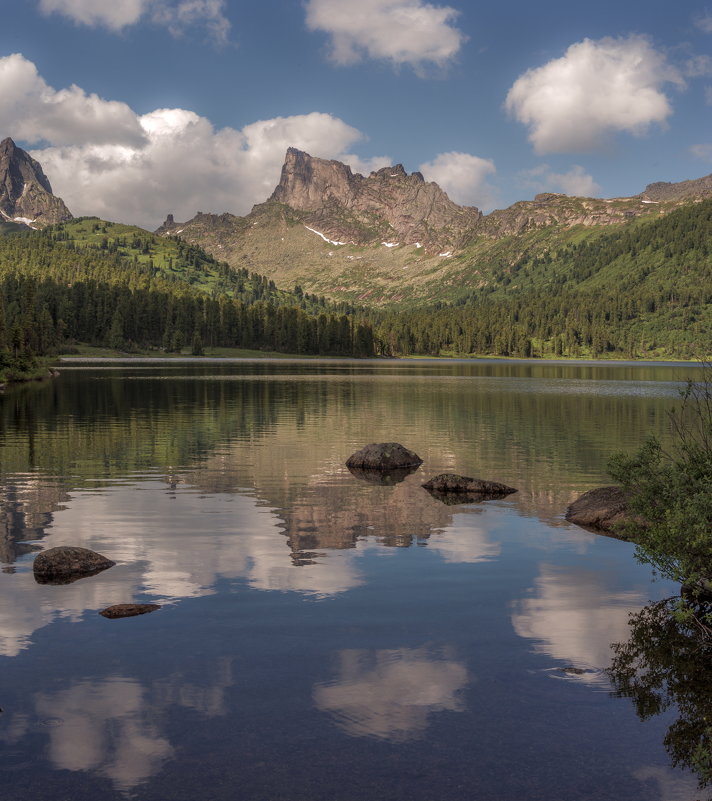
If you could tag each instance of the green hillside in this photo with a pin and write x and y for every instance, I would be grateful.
(642, 290)
(172, 260)
(57, 291)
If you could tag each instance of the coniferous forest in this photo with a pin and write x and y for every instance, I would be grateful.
(640, 290)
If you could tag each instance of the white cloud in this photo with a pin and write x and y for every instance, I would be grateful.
(32, 111)
(703, 151)
(704, 23)
(114, 14)
(573, 103)
(575, 182)
(176, 15)
(104, 159)
(401, 31)
(463, 177)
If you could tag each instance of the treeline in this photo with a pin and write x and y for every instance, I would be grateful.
(570, 324)
(639, 291)
(51, 296)
(177, 261)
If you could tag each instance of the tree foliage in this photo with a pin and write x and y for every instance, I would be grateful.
(671, 493)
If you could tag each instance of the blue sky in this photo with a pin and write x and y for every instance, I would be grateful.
(137, 108)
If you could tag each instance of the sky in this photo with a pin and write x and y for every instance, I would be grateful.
(140, 108)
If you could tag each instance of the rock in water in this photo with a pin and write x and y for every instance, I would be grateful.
(384, 456)
(599, 509)
(451, 483)
(128, 610)
(68, 563)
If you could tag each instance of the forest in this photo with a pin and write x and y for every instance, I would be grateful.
(643, 290)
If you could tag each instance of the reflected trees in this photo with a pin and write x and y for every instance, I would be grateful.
(665, 664)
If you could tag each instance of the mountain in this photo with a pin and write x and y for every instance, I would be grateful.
(684, 190)
(389, 205)
(25, 193)
(392, 237)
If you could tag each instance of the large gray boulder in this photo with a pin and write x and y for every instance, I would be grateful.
(601, 509)
(68, 563)
(478, 488)
(384, 456)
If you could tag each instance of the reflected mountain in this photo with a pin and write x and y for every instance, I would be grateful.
(666, 664)
(574, 616)
(391, 694)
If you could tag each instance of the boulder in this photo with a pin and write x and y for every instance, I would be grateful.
(68, 563)
(128, 610)
(600, 509)
(384, 456)
(452, 483)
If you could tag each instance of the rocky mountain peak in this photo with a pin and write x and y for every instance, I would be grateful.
(25, 192)
(388, 205)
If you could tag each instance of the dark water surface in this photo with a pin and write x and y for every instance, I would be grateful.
(323, 638)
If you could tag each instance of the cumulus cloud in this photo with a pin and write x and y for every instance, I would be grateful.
(574, 103)
(32, 111)
(575, 182)
(104, 159)
(401, 31)
(176, 15)
(464, 177)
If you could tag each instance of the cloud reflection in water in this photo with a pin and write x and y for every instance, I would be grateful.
(391, 694)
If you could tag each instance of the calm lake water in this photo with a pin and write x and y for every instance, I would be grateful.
(321, 637)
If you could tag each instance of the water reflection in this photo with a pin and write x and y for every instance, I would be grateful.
(665, 663)
(391, 694)
(113, 727)
(574, 615)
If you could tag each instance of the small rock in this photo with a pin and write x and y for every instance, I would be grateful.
(599, 509)
(384, 456)
(128, 610)
(68, 563)
(451, 483)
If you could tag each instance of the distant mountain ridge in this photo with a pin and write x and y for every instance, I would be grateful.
(394, 237)
(26, 195)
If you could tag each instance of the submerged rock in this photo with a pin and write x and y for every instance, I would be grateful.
(384, 456)
(452, 484)
(68, 563)
(600, 509)
(128, 610)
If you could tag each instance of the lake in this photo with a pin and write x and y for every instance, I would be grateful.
(323, 637)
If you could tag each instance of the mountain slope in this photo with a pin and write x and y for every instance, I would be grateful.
(25, 193)
(393, 238)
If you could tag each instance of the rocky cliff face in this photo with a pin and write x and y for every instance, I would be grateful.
(25, 193)
(389, 205)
